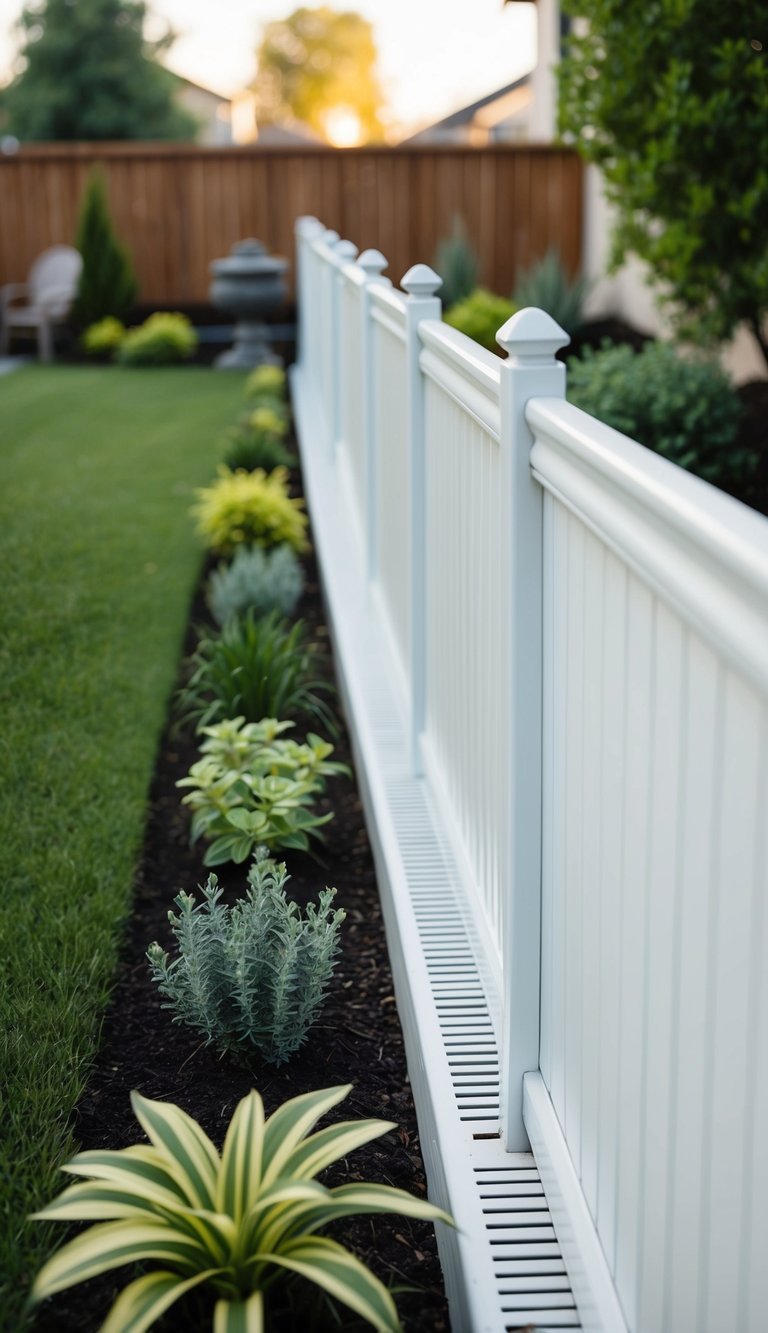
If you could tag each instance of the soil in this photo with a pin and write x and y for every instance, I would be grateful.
(357, 1038)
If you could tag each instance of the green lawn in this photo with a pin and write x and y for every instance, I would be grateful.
(99, 560)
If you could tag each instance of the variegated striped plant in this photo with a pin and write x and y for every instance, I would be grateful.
(233, 1221)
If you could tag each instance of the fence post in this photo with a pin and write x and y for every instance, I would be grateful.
(344, 252)
(421, 283)
(530, 339)
(373, 263)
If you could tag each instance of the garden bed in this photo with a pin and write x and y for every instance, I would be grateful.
(357, 1039)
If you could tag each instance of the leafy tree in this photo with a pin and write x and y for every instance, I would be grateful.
(89, 73)
(315, 63)
(670, 99)
(107, 282)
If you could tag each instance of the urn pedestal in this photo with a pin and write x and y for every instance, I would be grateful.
(249, 284)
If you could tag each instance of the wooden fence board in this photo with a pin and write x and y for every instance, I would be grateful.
(177, 207)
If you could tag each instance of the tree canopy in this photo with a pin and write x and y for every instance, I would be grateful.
(670, 99)
(89, 73)
(319, 66)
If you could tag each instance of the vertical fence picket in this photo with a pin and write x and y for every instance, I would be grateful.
(373, 263)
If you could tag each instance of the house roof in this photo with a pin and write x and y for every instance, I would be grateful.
(467, 114)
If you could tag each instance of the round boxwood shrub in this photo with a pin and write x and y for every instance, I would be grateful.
(684, 410)
(480, 316)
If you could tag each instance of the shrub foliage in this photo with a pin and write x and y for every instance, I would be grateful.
(107, 284)
(670, 100)
(481, 316)
(250, 509)
(684, 410)
(250, 976)
(258, 580)
(547, 286)
(161, 340)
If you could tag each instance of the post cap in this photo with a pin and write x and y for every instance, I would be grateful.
(421, 280)
(309, 226)
(346, 250)
(330, 236)
(531, 335)
(373, 262)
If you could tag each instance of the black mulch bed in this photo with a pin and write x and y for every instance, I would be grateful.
(356, 1039)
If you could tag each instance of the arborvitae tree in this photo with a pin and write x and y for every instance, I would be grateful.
(89, 73)
(107, 282)
(670, 99)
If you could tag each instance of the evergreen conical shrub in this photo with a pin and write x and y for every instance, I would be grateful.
(107, 283)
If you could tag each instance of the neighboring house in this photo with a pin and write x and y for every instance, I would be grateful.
(501, 117)
(212, 112)
(626, 293)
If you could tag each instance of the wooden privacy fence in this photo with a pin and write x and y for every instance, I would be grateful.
(554, 647)
(177, 208)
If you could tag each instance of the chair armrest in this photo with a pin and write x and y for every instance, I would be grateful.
(11, 292)
(56, 300)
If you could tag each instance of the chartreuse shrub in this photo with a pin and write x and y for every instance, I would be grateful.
(94, 519)
(547, 286)
(258, 580)
(254, 788)
(232, 1221)
(266, 382)
(258, 440)
(480, 315)
(259, 667)
(250, 976)
(103, 338)
(250, 509)
(457, 264)
(162, 340)
(684, 410)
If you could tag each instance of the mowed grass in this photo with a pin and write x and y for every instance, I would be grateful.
(99, 561)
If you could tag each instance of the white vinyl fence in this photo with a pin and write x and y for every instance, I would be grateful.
(576, 634)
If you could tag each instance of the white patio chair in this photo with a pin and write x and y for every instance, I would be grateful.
(48, 294)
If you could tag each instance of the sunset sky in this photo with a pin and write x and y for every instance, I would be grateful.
(435, 55)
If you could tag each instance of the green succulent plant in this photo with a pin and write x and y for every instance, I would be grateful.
(232, 1221)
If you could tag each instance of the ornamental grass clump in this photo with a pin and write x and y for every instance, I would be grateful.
(684, 410)
(257, 667)
(250, 509)
(162, 340)
(258, 440)
(257, 580)
(253, 788)
(546, 286)
(252, 976)
(232, 1222)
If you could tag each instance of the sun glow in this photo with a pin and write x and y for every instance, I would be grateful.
(343, 127)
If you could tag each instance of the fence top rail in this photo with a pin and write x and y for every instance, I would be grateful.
(390, 301)
(475, 363)
(704, 551)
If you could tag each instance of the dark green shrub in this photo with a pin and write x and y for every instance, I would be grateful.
(257, 579)
(481, 316)
(250, 976)
(684, 410)
(257, 667)
(162, 340)
(547, 286)
(458, 266)
(107, 283)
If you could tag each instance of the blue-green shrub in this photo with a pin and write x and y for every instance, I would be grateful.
(684, 410)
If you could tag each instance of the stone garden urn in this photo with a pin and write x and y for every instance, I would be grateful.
(249, 284)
